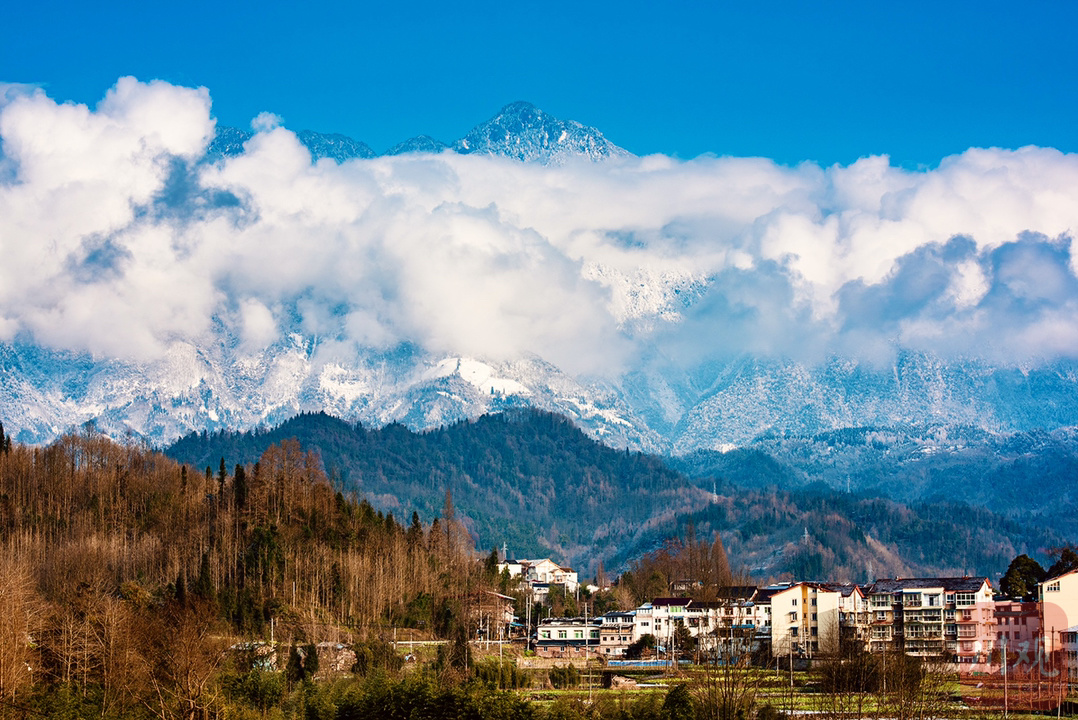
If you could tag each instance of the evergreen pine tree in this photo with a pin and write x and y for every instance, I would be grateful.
(181, 589)
(415, 532)
(204, 583)
(239, 486)
(310, 662)
(293, 671)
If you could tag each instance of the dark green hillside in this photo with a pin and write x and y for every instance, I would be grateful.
(534, 481)
(523, 477)
(1028, 477)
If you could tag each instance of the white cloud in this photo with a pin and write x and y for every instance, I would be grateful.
(119, 240)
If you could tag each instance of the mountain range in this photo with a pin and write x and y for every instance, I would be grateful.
(520, 131)
(533, 482)
(904, 418)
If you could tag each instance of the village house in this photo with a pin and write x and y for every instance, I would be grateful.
(493, 613)
(661, 617)
(540, 575)
(616, 632)
(762, 612)
(1059, 608)
(728, 624)
(567, 637)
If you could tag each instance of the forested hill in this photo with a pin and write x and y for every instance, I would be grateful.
(526, 478)
(534, 481)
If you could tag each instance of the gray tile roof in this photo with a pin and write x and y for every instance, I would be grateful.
(949, 584)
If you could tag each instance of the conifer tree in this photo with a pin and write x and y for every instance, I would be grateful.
(239, 484)
(293, 671)
(310, 662)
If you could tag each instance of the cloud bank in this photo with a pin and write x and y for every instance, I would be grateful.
(118, 237)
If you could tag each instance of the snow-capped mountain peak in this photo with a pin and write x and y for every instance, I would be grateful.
(524, 132)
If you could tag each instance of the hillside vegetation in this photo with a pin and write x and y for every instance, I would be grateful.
(534, 481)
(128, 571)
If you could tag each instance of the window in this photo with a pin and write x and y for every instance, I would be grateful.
(578, 634)
(813, 616)
(561, 635)
(813, 601)
(965, 598)
(794, 601)
(1052, 587)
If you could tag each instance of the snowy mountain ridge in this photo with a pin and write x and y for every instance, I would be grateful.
(653, 408)
(520, 131)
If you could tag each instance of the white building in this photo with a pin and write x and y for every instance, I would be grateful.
(541, 574)
(1059, 608)
(804, 620)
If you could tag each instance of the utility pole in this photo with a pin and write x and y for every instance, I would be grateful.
(1005, 698)
(587, 640)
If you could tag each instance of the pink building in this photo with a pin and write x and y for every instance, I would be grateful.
(1018, 628)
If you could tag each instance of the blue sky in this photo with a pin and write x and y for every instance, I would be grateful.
(828, 82)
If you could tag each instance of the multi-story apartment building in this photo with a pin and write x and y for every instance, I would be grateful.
(854, 618)
(933, 617)
(804, 620)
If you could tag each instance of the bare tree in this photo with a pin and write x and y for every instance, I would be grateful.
(729, 687)
(19, 620)
(181, 655)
